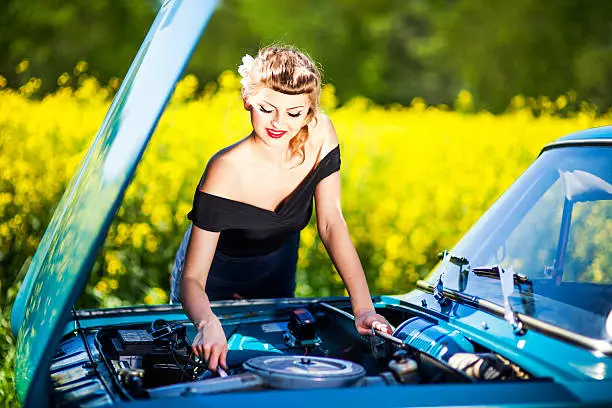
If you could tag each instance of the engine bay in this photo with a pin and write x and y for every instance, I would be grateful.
(314, 346)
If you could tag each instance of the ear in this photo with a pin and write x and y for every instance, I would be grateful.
(245, 100)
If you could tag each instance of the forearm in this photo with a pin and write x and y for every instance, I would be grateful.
(342, 252)
(195, 301)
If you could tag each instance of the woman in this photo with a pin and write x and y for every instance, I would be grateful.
(256, 196)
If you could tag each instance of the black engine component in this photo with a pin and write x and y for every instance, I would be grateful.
(135, 342)
(302, 329)
(302, 325)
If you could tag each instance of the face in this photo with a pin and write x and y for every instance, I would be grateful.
(277, 117)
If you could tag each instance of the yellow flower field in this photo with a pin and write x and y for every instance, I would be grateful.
(414, 179)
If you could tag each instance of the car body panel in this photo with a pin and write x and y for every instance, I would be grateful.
(62, 264)
(534, 395)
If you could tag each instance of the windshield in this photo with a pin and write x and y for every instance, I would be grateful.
(554, 226)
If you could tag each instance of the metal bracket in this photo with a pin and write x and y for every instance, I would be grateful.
(438, 290)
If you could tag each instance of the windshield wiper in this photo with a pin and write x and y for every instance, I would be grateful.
(493, 272)
(508, 279)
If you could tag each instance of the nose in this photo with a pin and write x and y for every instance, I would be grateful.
(276, 121)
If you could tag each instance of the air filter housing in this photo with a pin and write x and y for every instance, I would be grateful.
(295, 372)
(432, 338)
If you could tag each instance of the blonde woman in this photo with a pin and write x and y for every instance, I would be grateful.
(255, 197)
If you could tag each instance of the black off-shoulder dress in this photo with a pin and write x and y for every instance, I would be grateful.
(257, 252)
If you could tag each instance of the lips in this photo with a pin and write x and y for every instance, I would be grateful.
(275, 134)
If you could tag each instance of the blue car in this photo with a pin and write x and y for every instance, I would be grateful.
(517, 314)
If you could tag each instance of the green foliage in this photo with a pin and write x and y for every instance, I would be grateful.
(386, 50)
(503, 48)
(8, 398)
(54, 35)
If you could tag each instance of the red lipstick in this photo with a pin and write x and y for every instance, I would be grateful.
(275, 134)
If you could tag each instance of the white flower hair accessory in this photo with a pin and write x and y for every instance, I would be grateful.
(245, 70)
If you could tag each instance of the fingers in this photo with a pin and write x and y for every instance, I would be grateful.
(196, 346)
(383, 327)
(207, 352)
(214, 354)
(371, 320)
(223, 358)
(218, 357)
(201, 350)
(213, 361)
(198, 350)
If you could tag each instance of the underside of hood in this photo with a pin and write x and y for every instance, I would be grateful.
(62, 264)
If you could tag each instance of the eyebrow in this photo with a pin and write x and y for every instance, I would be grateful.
(300, 106)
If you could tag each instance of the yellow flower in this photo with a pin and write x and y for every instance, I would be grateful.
(22, 66)
(102, 286)
(64, 79)
(80, 67)
(155, 296)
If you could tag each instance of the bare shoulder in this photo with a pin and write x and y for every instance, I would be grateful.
(221, 175)
(324, 132)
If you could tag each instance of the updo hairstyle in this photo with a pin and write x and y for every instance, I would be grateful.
(289, 71)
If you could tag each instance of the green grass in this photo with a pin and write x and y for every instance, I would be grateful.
(8, 398)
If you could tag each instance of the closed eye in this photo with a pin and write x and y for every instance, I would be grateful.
(295, 115)
(261, 108)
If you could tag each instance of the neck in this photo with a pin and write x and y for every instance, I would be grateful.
(277, 156)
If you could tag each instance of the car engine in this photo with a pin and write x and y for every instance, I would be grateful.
(316, 346)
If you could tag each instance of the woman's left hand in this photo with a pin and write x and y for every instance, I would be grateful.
(368, 319)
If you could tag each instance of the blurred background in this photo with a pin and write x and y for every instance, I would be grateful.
(439, 105)
(386, 50)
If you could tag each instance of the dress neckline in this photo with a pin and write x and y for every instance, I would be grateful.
(283, 203)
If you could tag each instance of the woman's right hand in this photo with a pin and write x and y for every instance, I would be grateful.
(210, 343)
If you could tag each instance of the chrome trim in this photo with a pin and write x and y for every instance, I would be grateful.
(578, 142)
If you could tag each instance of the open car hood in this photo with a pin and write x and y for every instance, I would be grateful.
(63, 261)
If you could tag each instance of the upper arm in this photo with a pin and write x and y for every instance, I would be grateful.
(217, 176)
(327, 202)
(328, 190)
(200, 253)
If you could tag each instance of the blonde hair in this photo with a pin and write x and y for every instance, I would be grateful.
(286, 70)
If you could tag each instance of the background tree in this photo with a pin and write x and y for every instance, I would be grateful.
(387, 50)
(546, 47)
